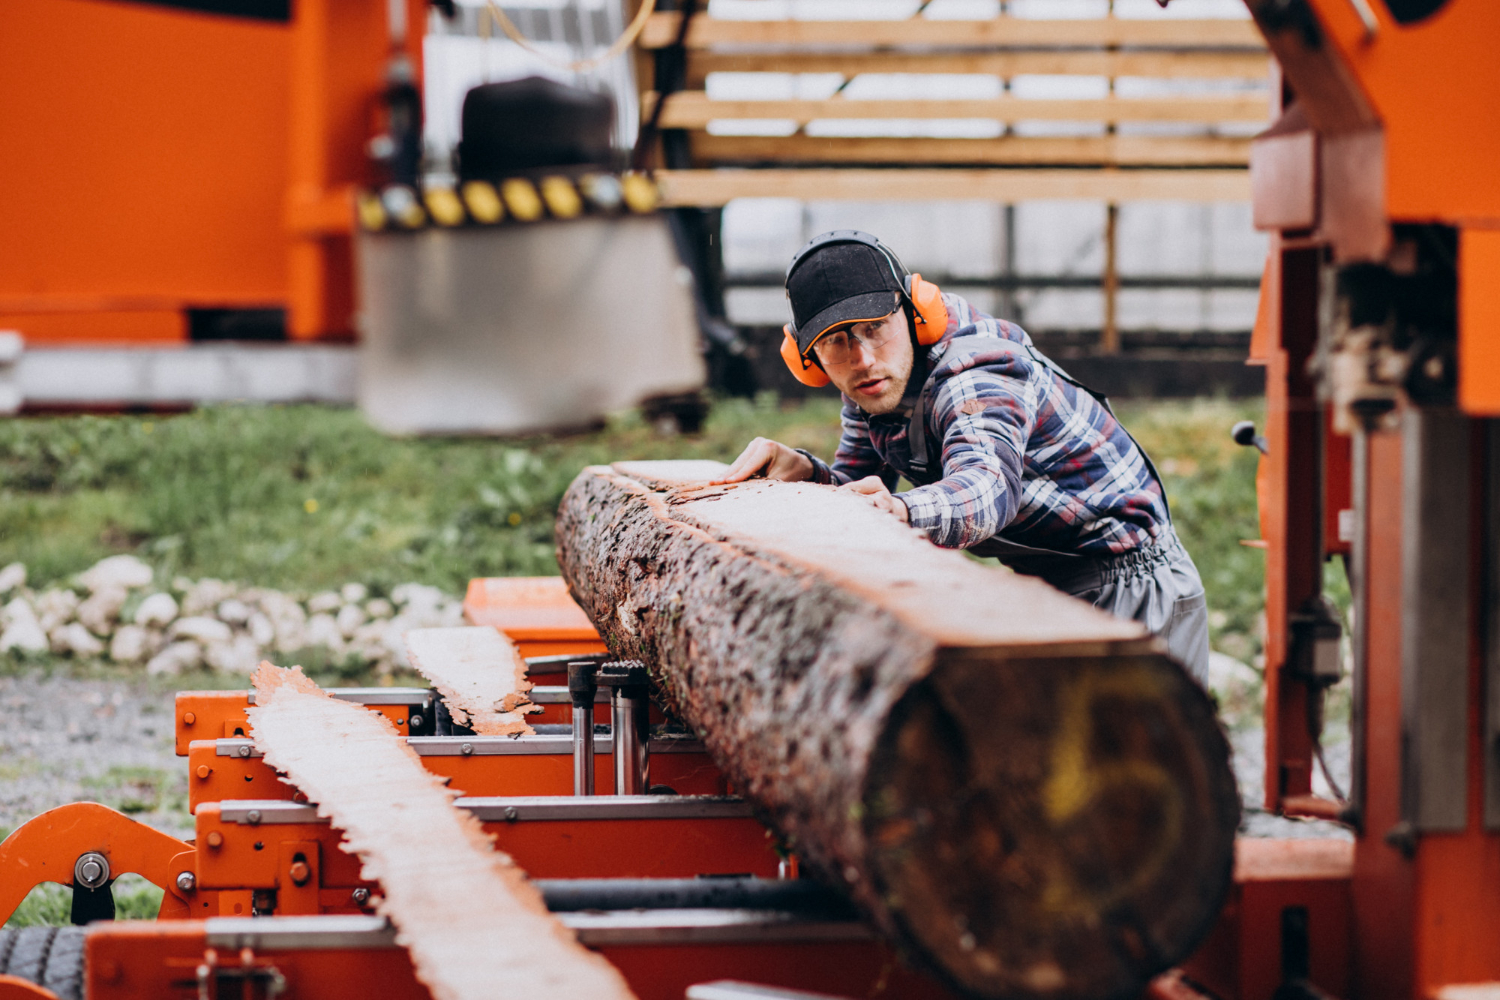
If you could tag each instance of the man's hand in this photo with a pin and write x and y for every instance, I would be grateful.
(875, 490)
(770, 459)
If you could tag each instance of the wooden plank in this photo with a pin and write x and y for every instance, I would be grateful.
(475, 928)
(480, 675)
(705, 188)
(693, 109)
(1007, 780)
(1156, 64)
(1103, 150)
(661, 31)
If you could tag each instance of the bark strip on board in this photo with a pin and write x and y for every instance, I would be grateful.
(480, 675)
(475, 928)
(1024, 790)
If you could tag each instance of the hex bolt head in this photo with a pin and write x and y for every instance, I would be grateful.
(186, 881)
(511, 814)
(91, 870)
(299, 872)
(253, 817)
(245, 750)
(415, 722)
(360, 896)
(466, 749)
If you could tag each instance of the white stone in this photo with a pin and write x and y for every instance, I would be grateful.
(394, 638)
(379, 608)
(22, 630)
(102, 609)
(291, 635)
(205, 595)
(76, 639)
(159, 609)
(261, 629)
(417, 595)
(323, 630)
(202, 628)
(12, 576)
(125, 572)
(353, 593)
(55, 607)
(134, 643)
(327, 601)
(349, 618)
(176, 658)
(368, 642)
(234, 611)
(238, 656)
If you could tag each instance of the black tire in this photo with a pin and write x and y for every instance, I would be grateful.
(28, 956)
(64, 971)
(7, 942)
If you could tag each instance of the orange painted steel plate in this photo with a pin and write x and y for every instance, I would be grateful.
(213, 777)
(529, 608)
(1479, 322)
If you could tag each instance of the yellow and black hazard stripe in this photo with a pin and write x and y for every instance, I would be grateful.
(398, 207)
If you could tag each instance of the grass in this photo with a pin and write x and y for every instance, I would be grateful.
(304, 498)
(50, 904)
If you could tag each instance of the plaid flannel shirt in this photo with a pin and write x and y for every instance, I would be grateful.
(1026, 456)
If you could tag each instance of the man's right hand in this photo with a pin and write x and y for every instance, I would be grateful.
(770, 459)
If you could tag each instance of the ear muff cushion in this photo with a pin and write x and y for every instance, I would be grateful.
(932, 314)
(803, 371)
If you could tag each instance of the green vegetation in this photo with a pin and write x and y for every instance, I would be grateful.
(50, 904)
(303, 498)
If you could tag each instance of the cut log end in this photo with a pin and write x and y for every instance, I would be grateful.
(1051, 829)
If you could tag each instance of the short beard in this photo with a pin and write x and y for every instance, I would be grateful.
(890, 400)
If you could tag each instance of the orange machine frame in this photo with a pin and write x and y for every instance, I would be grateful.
(160, 160)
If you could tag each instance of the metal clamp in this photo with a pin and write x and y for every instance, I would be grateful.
(583, 686)
(629, 721)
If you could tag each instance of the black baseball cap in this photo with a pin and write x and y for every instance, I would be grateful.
(839, 283)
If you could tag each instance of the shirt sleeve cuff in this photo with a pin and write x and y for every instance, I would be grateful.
(822, 473)
(923, 508)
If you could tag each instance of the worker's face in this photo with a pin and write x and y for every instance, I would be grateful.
(869, 362)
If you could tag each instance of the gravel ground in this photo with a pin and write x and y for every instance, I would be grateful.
(65, 739)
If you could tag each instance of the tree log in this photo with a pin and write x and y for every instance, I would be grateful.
(1022, 790)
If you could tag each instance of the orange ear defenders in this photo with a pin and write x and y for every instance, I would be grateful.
(929, 314)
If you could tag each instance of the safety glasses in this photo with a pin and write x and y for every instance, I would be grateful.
(837, 348)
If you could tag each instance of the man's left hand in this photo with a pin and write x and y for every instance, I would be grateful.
(872, 488)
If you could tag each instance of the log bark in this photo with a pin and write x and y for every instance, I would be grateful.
(1024, 791)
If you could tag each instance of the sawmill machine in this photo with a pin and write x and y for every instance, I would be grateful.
(190, 172)
(1378, 328)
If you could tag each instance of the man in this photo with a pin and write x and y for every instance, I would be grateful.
(1010, 456)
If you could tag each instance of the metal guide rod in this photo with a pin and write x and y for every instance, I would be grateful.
(583, 685)
(629, 721)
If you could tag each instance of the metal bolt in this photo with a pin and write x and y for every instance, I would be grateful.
(360, 896)
(215, 839)
(188, 718)
(204, 771)
(245, 750)
(91, 870)
(415, 722)
(253, 817)
(186, 881)
(299, 872)
(466, 749)
(511, 814)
